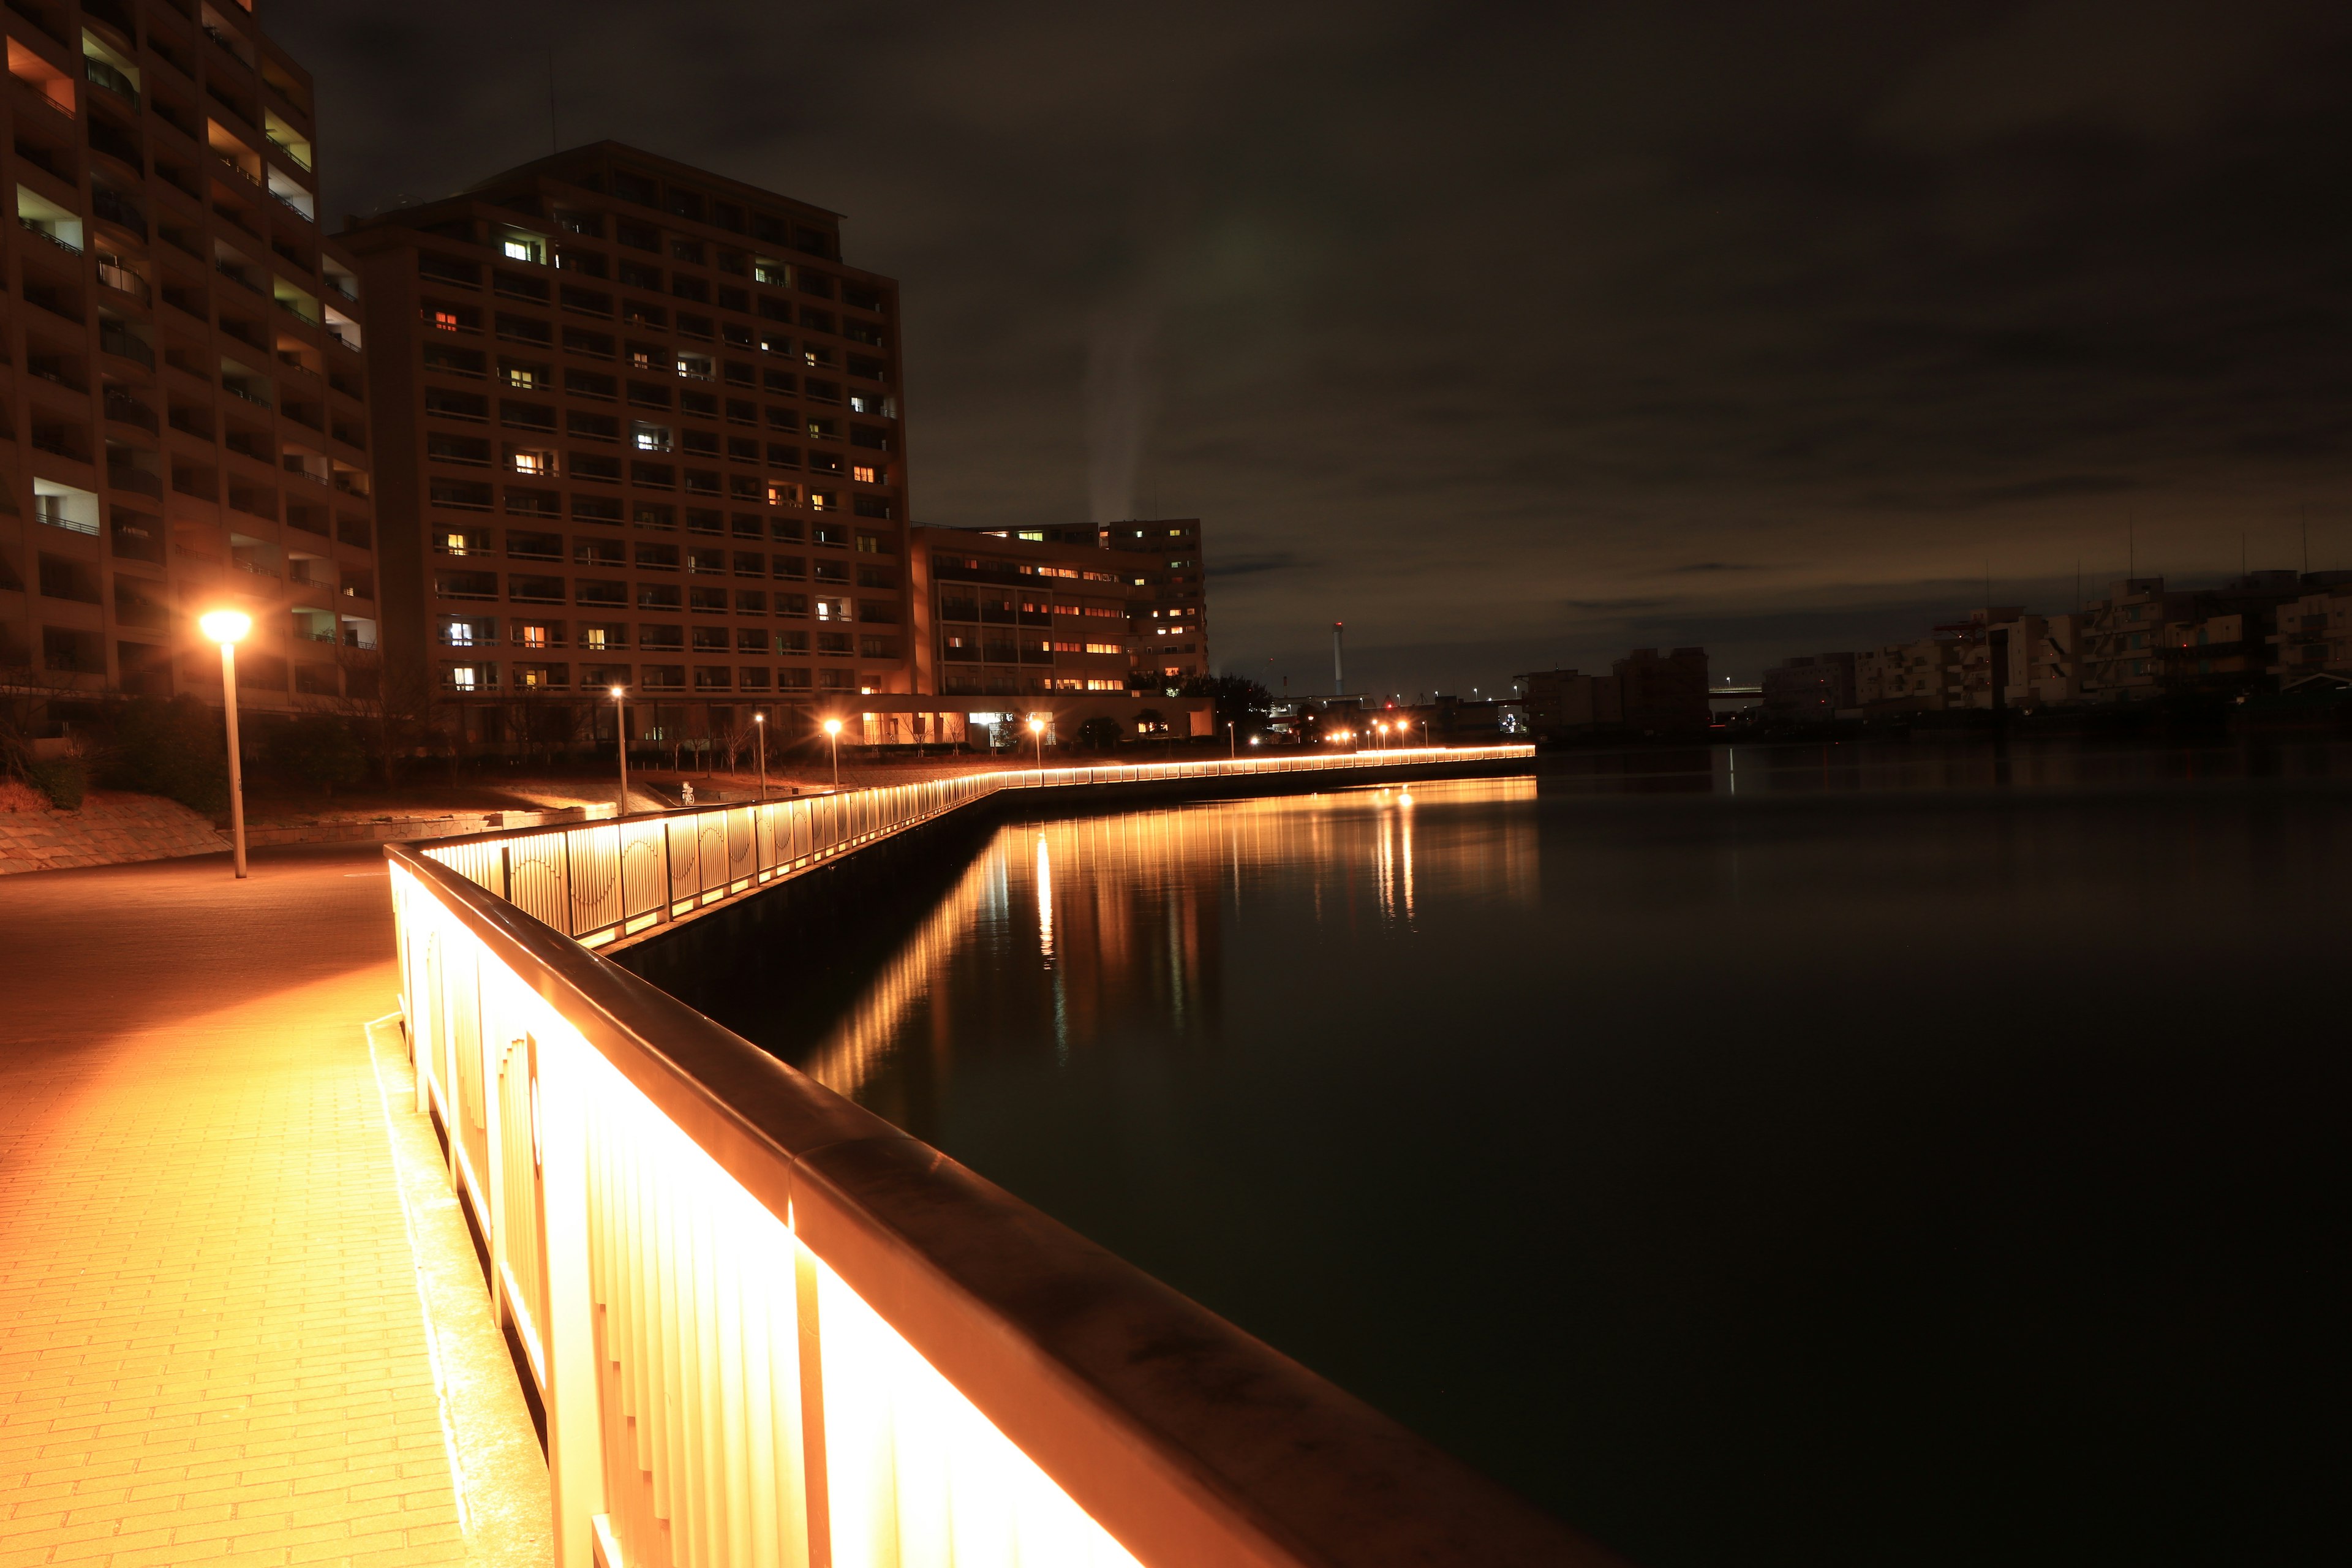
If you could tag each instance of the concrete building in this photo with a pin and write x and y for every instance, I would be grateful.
(1810, 688)
(1559, 702)
(185, 426)
(1644, 692)
(2312, 636)
(1665, 693)
(638, 426)
(1922, 676)
(1102, 609)
(1165, 572)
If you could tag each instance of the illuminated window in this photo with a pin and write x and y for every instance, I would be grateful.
(865, 476)
(534, 462)
(1102, 647)
(533, 636)
(520, 249)
(441, 321)
(1032, 534)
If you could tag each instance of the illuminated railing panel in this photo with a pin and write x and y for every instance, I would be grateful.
(669, 864)
(768, 1328)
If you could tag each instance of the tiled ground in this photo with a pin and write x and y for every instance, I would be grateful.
(213, 1346)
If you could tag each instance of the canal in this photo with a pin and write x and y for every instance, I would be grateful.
(1805, 1154)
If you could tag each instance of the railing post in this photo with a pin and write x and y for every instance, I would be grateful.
(575, 1455)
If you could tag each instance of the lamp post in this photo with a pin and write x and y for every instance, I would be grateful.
(225, 628)
(833, 728)
(1038, 729)
(1232, 745)
(621, 741)
(759, 730)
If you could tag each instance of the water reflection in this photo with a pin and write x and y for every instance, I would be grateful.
(1143, 897)
(1835, 1156)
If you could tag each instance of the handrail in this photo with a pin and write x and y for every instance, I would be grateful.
(579, 879)
(767, 1326)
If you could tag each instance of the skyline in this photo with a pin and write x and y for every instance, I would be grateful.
(1718, 332)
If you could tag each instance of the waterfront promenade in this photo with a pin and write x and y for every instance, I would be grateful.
(223, 1233)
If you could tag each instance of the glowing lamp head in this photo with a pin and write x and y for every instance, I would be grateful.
(1037, 726)
(617, 694)
(759, 718)
(833, 726)
(227, 626)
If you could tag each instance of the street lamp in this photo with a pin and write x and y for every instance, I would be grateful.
(621, 737)
(1037, 728)
(760, 729)
(833, 728)
(225, 628)
(1231, 744)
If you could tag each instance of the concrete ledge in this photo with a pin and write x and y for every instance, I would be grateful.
(402, 830)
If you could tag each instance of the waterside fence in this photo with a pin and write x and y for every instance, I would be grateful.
(766, 1327)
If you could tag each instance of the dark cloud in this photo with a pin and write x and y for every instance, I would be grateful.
(1456, 311)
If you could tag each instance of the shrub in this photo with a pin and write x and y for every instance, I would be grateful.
(61, 779)
(176, 748)
(315, 753)
(1099, 733)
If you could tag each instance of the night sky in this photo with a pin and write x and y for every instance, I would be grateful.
(1520, 335)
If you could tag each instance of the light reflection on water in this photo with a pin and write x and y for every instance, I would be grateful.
(1136, 904)
(1916, 1155)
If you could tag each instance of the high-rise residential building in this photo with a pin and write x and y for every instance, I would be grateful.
(1162, 567)
(638, 426)
(185, 426)
(1116, 607)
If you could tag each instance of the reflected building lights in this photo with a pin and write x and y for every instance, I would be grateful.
(1130, 915)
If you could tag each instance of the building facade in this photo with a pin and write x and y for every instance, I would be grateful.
(1162, 567)
(1113, 608)
(1664, 693)
(1810, 688)
(639, 427)
(186, 421)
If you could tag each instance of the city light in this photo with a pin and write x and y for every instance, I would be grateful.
(226, 627)
(621, 742)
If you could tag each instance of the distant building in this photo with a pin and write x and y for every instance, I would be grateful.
(1164, 572)
(1810, 688)
(2312, 636)
(1562, 701)
(1922, 676)
(1000, 610)
(1664, 694)
(1645, 691)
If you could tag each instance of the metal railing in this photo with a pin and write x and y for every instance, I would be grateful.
(769, 1328)
(613, 879)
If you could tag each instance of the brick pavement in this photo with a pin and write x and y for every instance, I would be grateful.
(218, 1218)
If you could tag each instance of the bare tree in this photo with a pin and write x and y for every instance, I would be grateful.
(389, 707)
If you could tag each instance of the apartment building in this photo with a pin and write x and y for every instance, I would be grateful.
(1922, 676)
(1104, 608)
(1810, 688)
(1664, 693)
(186, 425)
(1647, 691)
(2313, 634)
(639, 427)
(1163, 569)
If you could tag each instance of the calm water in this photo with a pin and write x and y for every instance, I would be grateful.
(1807, 1155)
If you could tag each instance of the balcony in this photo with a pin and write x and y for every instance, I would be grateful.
(34, 228)
(101, 74)
(122, 280)
(128, 410)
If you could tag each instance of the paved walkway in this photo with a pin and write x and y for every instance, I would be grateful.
(222, 1237)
